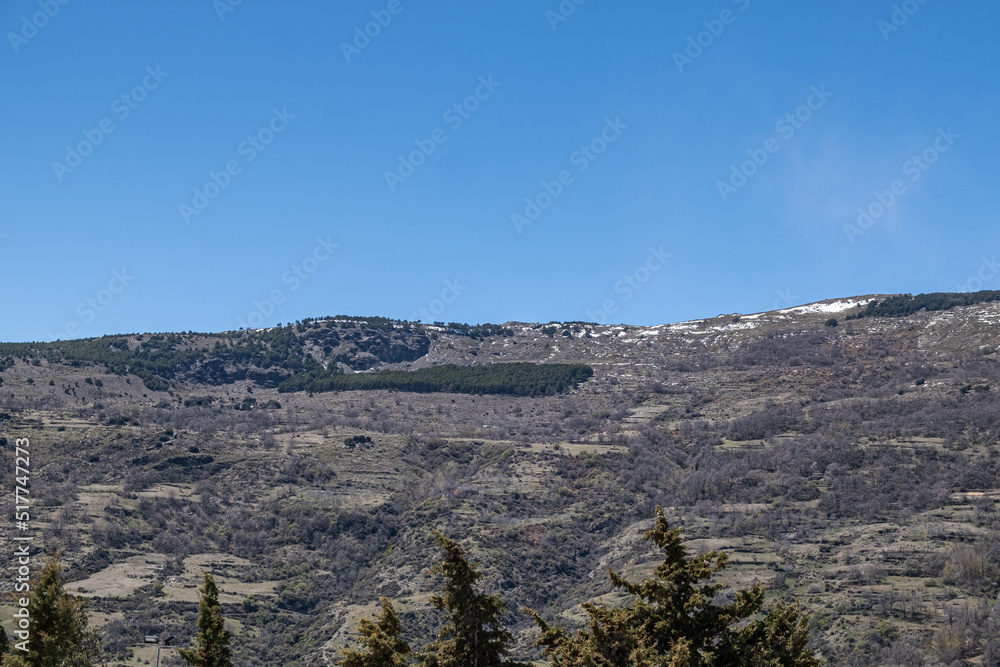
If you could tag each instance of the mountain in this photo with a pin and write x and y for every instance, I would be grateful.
(845, 452)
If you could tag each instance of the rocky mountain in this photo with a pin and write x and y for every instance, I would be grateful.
(844, 452)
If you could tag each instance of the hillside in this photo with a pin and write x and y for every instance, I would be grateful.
(844, 452)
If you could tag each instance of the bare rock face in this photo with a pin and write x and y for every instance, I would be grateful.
(395, 348)
(357, 360)
(366, 349)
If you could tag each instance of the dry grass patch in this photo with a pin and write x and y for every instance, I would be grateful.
(120, 579)
(184, 587)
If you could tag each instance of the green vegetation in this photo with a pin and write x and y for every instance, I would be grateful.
(852, 470)
(674, 621)
(516, 379)
(478, 330)
(474, 632)
(59, 633)
(356, 440)
(212, 641)
(266, 357)
(383, 645)
(907, 304)
(373, 322)
(159, 359)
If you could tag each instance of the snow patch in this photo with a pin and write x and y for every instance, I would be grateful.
(685, 326)
(736, 326)
(838, 306)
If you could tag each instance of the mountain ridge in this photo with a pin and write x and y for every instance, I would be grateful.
(854, 468)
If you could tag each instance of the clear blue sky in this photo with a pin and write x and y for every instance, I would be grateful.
(309, 129)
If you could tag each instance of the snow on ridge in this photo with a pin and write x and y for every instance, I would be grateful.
(682, 326)
(735, 326)
(838, 306)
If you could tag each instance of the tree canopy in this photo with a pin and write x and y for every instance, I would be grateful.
(211, 647)
(678, 618)
(675, 621)
(59, 633)
(903, 305)
(474, 634)
(382, 642)
(4, 644)
(517, 379)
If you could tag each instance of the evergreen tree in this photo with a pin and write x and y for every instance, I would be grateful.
(59, 634)
(212, 641)
(382, 641)
(4, 644)
(474, 634)
(673, 621)
(15, 659)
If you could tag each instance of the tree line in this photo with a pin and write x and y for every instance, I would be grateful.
(516, 379)
(58, 634)
(159, 359)
(904, 305)
(673, 621)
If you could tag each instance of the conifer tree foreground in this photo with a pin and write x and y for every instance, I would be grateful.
(673, 621)
(474, 634)
(59, 634)
(384, 647)
(4, 644)
(212, 641)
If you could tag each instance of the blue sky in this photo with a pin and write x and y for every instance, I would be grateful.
(640, 162)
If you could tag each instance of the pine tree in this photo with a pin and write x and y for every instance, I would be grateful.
(474, 634)
(212, 641)
(4, 644)
(673, 621)
(59, 634)
(382, 641)
(15, 659)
